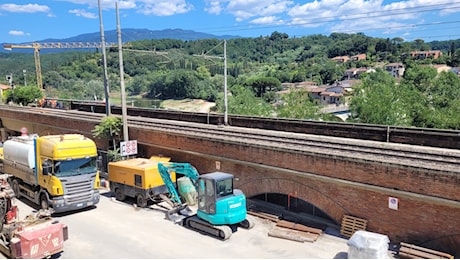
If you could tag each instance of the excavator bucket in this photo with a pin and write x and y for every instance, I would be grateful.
(178, 214)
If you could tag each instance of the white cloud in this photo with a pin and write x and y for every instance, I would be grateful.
(244, 9)
(18, 33)
(105, 4)
(267, 20)
(214, 7)
(164, 7)
(83, 13)
(359, 15)
(28, 8)
(146, 7)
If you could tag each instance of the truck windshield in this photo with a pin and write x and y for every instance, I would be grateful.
(74, 167)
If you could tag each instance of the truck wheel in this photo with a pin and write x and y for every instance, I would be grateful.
(16, 188)
(119, 195)
(44, 202)
(141, 201)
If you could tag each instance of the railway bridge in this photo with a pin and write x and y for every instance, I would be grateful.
(410, 194)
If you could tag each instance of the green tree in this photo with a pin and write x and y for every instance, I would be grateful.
(94, 90)
(203, 72)
(176, 84)
(298, 104)
(24, 95)
(420, 78)
(378, 100)
(261, 85)
(455, 59)
(242, 101)
(331, 72)
(110, 129)
(139, 85)
(437, 101)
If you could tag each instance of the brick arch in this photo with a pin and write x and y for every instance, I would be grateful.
(297, 189)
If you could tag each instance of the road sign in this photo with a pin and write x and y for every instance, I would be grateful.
(24, 131)
(128, 148)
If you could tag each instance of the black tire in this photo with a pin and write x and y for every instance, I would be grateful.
(15, 186)
(44, 202)
(119, 195)
(141, 201)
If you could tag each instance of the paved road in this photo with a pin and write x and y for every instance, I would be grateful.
(119, 230)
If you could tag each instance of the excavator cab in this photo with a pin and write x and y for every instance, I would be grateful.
(218, 202)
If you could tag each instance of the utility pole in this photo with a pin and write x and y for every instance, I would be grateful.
(104, 59)
(122, 79)
(225, 77)
(25, 81)
(225, 85)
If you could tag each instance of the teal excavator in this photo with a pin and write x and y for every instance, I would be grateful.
(220, 208)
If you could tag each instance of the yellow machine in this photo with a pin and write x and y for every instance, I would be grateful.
(58, 171)
(138, 178)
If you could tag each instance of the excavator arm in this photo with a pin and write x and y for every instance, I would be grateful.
(185, 169)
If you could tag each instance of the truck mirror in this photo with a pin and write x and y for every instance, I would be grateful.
(99, 162)
(46, 167)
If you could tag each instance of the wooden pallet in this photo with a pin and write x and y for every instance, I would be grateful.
(264, 215)
(416, 252)
(292, 234)
(352, 224)
(299, 227)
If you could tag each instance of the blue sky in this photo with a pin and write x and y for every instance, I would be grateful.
(23, 21)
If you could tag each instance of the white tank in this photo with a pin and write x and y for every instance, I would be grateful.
(20, 150)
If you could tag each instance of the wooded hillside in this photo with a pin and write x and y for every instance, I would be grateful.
(256, 67)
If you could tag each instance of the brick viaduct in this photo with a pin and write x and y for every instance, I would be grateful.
(428, 200)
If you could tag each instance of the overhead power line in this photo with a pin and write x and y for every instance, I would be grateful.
(314, 21)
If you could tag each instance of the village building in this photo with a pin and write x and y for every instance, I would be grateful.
(358, 57)
(421, 55)
(341, 59)
(396, 69)
(354, 73)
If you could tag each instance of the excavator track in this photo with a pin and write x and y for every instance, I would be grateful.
(223, 232)
(248, 223)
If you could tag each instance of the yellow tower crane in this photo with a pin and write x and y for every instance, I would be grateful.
(51, 45)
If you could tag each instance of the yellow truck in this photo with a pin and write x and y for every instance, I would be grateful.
(138, 178)
(53, 171)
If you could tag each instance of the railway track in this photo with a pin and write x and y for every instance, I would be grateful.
(426, 157)
(409, 155)
(443, 138)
